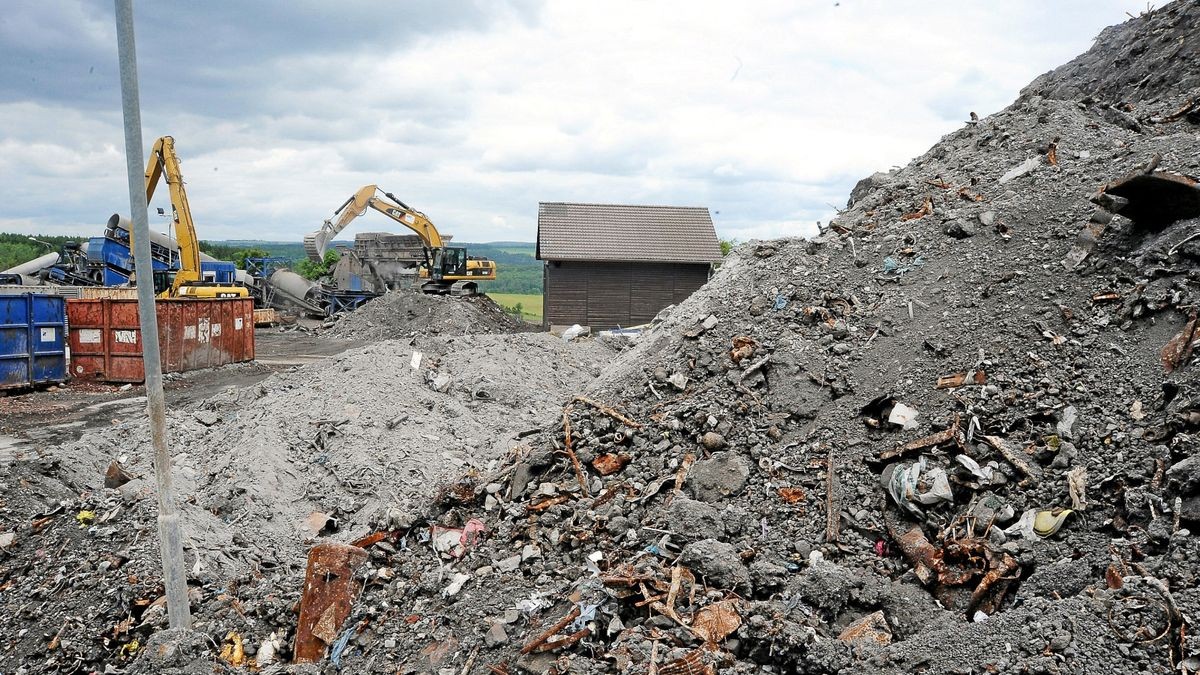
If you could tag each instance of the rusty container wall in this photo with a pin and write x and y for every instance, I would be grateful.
(99, 292)
(192, 334)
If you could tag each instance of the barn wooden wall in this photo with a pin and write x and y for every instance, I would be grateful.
(606, 295)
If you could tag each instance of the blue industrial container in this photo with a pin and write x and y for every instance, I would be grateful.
(32, 340)
(219, 271)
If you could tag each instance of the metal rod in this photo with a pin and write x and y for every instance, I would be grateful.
(169, 533)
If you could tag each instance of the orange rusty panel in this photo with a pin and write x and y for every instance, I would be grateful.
(330, 587)
(192, 334)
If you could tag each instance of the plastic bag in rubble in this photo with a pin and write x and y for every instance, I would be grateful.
(907, 488)
(573, 332)
(988, 474)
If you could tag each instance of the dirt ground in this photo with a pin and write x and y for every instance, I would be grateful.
(50, 416)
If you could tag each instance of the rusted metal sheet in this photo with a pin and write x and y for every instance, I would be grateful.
(330, 587)
(101, 292)
(105, 336)
(266, 317)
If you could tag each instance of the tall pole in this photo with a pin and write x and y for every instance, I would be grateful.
(169, 533)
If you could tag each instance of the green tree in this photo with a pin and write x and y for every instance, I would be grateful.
(315, 270)
(728, 245)
(239, 257)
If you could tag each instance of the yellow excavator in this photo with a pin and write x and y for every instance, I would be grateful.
(446, 269)
(188, 281)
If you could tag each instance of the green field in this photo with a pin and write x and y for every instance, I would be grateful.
(531, 305)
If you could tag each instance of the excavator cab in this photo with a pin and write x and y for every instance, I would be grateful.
(163, 279)
(449, 261)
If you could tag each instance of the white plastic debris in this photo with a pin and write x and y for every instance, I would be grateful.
(1066, 422)
(573, 332)
(268, 650)
(1023, 527)
(986, 473)
(456, 585)
(593, 558)
(1021, 169)
(904, 416)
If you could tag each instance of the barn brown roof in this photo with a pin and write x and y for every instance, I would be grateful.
(568, 231)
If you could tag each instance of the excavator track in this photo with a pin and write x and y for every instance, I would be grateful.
(464, 289)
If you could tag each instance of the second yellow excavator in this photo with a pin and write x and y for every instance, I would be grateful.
(446, 269)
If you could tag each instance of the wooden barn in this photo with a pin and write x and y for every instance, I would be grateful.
(611, 265)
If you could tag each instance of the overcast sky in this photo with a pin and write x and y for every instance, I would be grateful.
(766, 112)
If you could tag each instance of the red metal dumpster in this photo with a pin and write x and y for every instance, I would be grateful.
(106, 338)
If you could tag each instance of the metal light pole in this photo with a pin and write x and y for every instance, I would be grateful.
(169, 533)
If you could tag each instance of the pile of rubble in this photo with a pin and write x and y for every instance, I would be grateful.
(265, 471)
(953, 433)
(403, 314)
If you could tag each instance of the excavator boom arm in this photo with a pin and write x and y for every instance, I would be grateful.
(164, 163)
(388, 205)
(355, 206)
(413, 220)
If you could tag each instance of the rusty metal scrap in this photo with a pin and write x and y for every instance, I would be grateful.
(608, 411)
(921, 554)
(369, 540)
(546, 502)
(1013, 456)
(743, 348)
(1190, 109)
(566, 421)
(609, 463)
(926, 209)
(791, 495)
(951, 433)
(716, 621)
(330, 586)
(959, 379)
(691, 663)
(965, 574)
(681, 475)
(550, 632)
(1179, 348)
(571, 639)
(833, 520)
(872, 628)
(969, 196)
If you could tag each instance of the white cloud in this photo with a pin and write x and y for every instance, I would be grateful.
(766, 113)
